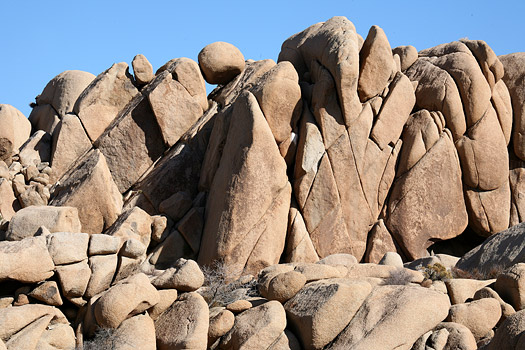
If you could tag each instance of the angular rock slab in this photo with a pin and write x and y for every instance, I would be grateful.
(321, 310)
(132, 143)
(430, 191)
(90, 188)
(17, 260)
(247, 207)
(104, 98)
(256, 328)
(393, 317)
(514, 79)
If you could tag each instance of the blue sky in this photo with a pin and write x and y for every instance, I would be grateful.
(40, 39)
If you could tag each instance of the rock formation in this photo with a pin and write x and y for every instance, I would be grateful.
(298, 205)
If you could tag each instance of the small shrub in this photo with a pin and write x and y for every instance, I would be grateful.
(104, 339)
(436, 272)
(399, 276)
(220, 288)
(477, 274)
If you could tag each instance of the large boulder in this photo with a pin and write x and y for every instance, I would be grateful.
(321, 310)
(104, 98)
(429, 177)
(220, 62)
(479, 316)
(26, 261)
(509, 335)
(499, 251)
(247, 208)
(90, 188)
(393, 317)
(184, 325)
(510, 285)
(129, 297)
(15, 130)
(256, 328)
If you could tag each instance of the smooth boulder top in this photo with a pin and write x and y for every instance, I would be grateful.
(220, 62)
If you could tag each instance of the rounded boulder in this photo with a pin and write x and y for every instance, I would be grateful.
(220, 62)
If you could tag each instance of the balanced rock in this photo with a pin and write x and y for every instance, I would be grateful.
(15, 131)
(220, 62)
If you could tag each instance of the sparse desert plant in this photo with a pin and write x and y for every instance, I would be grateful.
(478, 274)
(220, 288)
(399, 276)
(104, 339)
(436, 272)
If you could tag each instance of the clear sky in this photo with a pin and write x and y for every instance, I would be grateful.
(40, 39)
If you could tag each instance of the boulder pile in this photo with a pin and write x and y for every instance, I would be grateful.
(335, 199)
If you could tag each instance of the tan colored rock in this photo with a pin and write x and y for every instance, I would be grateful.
(483, 153)
(16, 129)
(460, 63)
(17, 260)
(299, 246)
(502, 103)
(174, 108)
(513, 78)
(489, 211)
(314, 272)
(460, 289)
(380, 242)
(137, 332)
(487, 292)
(160, 228)
(335, 45)
(104, 98)
(187, 72)
(14, 319)
(510, 334)
(220, 62)
(36, 149)
(69, 143)
(166, 298)
(48, 293)
(67, 247)
(134, 223)
(131, 143)
(339, 259)
(103, 244)
(258, 327)
(103, 268)
(437, 91)
(129, 297)
(287, 341)
(184, 325)
(8, 201)
(133, 248)
(391, 259)
(29, 335)
(459, 336)
(91, 189)
(479, 316)
(57, 336)
(142, 69)
(267, 274)
(74, 278)
(279, 97)
(191, 226)
(285, 286)
(322, 309)
(376, 64)
(510, 285)
(407, 56)
(251, 219)
(177, 205)
(63, 91)
(239, 306)
(185, 276)
(433, 181)
(220, 324)
(393, 317)
(44, 117)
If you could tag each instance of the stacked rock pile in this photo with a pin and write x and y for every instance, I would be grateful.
(296, 206)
